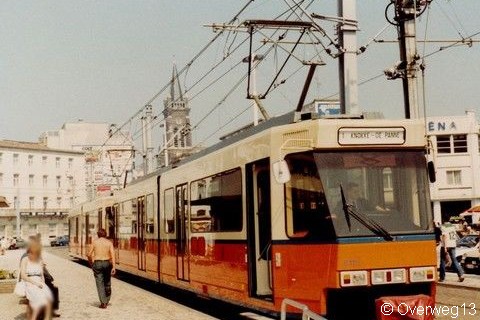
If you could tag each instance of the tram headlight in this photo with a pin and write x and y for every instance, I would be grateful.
(353, 278)
(389, 276)
(422, 274)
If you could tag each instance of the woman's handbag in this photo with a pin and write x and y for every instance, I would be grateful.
(20, 289)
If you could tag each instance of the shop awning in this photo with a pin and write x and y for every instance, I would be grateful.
(3, 202)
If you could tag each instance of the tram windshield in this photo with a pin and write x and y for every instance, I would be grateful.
(388, 190)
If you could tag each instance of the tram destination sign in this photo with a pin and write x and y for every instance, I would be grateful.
(371, 136)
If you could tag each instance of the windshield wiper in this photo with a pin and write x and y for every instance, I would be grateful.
(366, 221)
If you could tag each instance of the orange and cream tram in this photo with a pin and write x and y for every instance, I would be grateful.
(333, 213)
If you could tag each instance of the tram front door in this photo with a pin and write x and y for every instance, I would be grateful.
(141, 233)
(183, 266)
(259, 232)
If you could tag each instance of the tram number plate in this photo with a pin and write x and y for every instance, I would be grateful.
(470, 266)
(375, 136)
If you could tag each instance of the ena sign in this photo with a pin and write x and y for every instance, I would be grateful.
(372, 136)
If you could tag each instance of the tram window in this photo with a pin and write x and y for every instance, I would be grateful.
(76, 229)
(99, 216)
(134, 216)
(168, 212)
(306, 207)
(110, 222)
(73, 229)
(127, 218)
(216, 203)
(150, 214)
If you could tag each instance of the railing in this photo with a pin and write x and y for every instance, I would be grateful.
(306, 313)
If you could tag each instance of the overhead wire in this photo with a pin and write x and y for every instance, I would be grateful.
(158, 120)
(185, 68)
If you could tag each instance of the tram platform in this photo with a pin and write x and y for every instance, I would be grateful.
(78, 296)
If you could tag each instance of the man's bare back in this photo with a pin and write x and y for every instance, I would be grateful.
(102, 249)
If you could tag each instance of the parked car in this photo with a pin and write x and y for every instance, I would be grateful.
(466, 245)
(60, 241)
(17, 244)
(471, 262)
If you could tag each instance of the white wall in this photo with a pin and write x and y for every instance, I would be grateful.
(467, 163)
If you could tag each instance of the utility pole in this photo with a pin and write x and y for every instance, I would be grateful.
(406, 17)
(348, 71)
(147, 140)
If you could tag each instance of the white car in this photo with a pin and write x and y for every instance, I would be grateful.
(467, 245)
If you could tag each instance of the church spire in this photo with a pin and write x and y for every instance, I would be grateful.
(175, 82)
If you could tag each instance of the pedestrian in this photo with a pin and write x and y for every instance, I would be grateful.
(102, 258)
(48, 279)
(38, 294)
(3, 245)
(447, 251)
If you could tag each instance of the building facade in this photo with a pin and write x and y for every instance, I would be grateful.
(109, 153)
(40, 184)
(454, 148)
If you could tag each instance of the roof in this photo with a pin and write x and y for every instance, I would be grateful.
(24, 145)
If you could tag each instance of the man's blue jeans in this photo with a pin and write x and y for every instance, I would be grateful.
(443, 258)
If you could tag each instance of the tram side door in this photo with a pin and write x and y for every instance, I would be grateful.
(259, 230)
(141, 233)
(181, 216)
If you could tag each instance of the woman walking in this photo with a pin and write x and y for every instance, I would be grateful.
(38, 294)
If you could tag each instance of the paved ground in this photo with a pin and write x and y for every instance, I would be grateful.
(79, 298)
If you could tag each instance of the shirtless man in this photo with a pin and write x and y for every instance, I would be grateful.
(103, 258)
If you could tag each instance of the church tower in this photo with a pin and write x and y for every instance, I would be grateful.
(177, 134)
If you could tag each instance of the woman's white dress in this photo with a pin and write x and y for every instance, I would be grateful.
(38, 297)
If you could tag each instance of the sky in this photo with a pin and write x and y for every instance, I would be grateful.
(100, 61)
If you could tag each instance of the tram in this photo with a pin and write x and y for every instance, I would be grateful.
(333, 213)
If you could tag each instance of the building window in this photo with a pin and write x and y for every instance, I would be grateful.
(452, 143)
(1, 179)
(52, 229)
(70, 181)
(387, 179)
(59, 202)
(460, 143)
(31, 202)
(70, 163)
(443, 144)
(45, 181)
(59, 181)
(15, 158)
(175, 137)
(31, 180)
(45, 202)
(454, 177)
(15, 202)
(1, 157)
(57, 162)
(44, 160)
(30, 160)
(71, 202)
(15, 179)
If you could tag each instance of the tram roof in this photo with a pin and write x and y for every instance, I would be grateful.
(246, 132)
